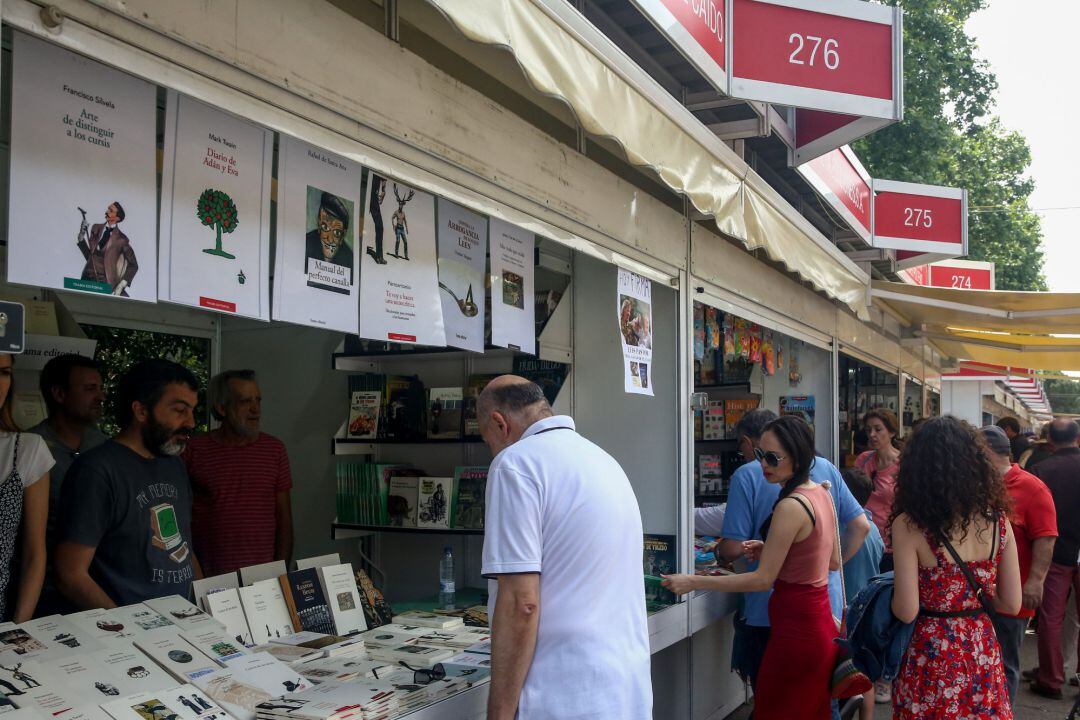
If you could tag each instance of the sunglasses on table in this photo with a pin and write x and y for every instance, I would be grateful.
(769, 458)
(423, 676)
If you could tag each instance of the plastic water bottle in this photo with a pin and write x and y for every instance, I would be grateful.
(447, 590)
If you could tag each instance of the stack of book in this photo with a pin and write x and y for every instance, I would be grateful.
(359, 699)
(412, 654)
(419, 618)
(326, 645)
(341, 669)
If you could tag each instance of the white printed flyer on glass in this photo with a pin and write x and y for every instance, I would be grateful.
(634, 305)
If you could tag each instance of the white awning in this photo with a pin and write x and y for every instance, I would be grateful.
(564, 56)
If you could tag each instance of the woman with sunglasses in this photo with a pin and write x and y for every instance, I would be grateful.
(801, 547)
(949, 494)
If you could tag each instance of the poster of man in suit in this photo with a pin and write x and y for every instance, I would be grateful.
(82, 214)
(108, 253)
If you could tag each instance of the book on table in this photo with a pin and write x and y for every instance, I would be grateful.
(427, 619)
(343, 597)
(99, 676)
(183, 702)
(177, 656)
(266, 611)
(326, 645)
(215, 644)
(306, 602)
(206, 586)
(182, 613)
(226, 608)
(104, 625)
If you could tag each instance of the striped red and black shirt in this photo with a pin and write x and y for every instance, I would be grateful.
(235, 492)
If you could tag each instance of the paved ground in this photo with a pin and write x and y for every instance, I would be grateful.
(1028, 705)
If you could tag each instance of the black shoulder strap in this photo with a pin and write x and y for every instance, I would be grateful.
(798, 498)
(972, 582)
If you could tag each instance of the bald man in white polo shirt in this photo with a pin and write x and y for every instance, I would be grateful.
(562, 551)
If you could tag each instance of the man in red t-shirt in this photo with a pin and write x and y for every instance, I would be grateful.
(240, 477)
(1034, 522)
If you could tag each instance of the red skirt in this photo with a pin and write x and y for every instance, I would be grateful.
(793, 682)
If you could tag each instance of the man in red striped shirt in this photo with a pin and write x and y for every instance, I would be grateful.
(240, 477)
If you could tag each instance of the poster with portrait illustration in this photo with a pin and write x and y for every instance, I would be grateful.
(215, 210)
(513, 302)
(463, 242)
(399, 295)
(634, 305)
(320, 213)
(83, 197)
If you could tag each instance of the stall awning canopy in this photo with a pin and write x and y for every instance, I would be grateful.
(1019, 329)
(563, 56)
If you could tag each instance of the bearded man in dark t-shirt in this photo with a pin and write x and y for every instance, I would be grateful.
(125, 508)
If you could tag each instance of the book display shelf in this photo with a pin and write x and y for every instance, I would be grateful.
(729, 357)
(411, 466)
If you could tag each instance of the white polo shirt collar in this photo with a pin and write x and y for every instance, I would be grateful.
(550, 423)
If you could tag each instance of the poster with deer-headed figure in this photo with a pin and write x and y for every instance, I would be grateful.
(83, 200)
(215, 210)
(399, 286)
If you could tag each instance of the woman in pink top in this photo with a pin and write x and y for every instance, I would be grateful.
(881, 464)
(800, 548)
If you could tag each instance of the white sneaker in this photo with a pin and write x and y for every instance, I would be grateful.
(882, 692)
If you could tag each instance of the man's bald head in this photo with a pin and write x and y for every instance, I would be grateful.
(1064, 432)
(513, 395)
(507, 407)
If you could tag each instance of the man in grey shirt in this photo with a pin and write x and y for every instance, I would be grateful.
(72, 388)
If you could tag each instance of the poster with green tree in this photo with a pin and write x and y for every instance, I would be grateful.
(216, 166)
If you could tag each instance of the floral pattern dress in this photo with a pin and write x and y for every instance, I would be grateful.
(952, 669)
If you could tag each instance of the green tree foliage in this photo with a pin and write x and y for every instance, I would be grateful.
(120, 348)
(1064, 395)
(217, 210)
(949, 137)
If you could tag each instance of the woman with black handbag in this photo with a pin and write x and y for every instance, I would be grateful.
(25, 461)
(955, 561)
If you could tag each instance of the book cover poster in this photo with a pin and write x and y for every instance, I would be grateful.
(215, 210)
(83, 200)
(800, 405)
(463, 243)
(634, 305)
(513, 300)
(399, 297)
(320, 212)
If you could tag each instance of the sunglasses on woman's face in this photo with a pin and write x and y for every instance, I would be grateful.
(769, 458)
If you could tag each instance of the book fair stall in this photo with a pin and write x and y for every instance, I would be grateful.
(377, 246)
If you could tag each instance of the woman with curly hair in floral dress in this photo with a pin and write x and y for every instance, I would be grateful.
(947, 490)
